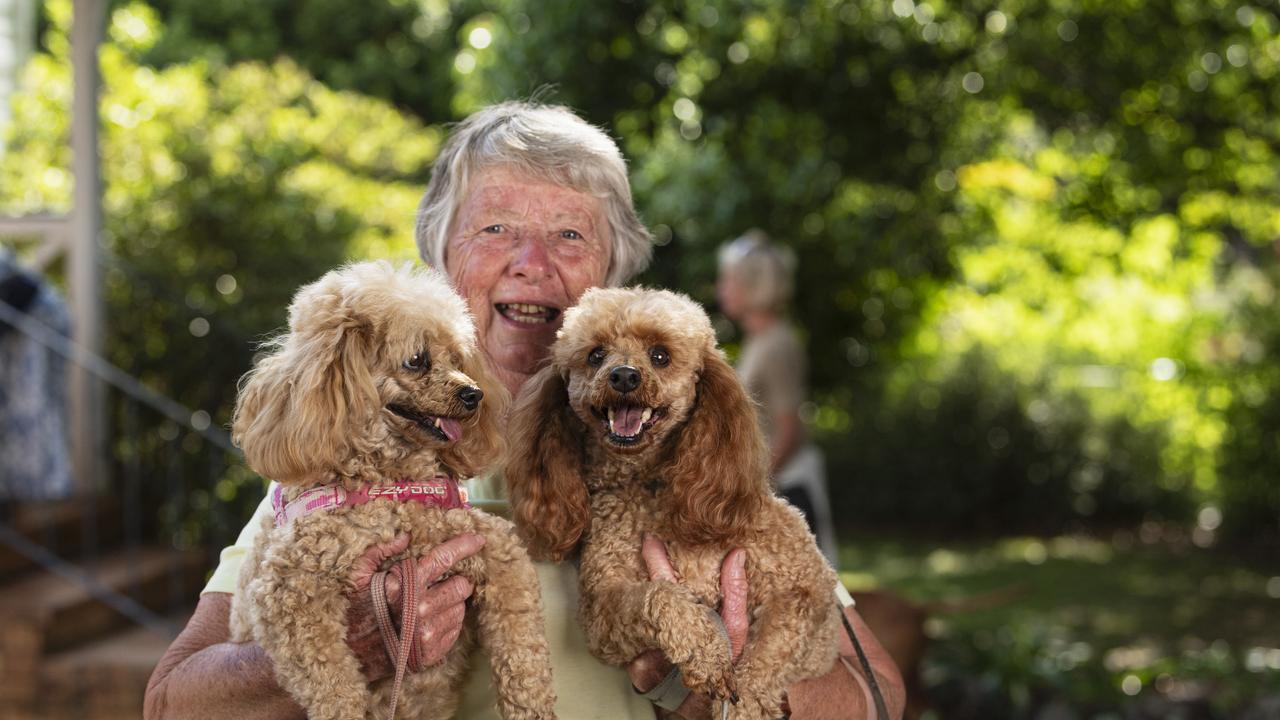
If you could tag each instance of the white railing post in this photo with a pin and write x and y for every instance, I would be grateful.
(84, 268)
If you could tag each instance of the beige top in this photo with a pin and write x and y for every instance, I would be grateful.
(772, 367)
(585, 687)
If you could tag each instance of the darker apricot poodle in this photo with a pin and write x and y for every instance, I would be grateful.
(370, 409)
(639, 425)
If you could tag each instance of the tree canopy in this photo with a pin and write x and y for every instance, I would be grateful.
(1036, 240)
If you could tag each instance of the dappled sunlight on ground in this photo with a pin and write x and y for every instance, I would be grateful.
(1089, 618)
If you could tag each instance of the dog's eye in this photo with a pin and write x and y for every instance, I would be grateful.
(596, 357)
(659, 356)
(419, 362)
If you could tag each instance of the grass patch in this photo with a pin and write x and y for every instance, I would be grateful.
(1099, 624)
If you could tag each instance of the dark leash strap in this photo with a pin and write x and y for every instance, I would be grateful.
(882, 710)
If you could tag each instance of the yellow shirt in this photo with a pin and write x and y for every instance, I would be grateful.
(585, 687)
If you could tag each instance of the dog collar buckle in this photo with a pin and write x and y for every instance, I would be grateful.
(325, 497)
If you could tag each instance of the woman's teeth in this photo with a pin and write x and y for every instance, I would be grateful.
(527, 313)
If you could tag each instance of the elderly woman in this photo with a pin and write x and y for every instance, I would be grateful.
(754, 288)
(528, 207)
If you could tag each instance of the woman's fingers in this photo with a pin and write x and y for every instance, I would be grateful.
(733, 586)
(436, 562)
(366, 565)
(441, 605)
(441, 613)
(439, 634)
(363, 636)
(649, 668)
(656, 560)
(444, 595)
(442, 557)
(733, 613)
(733, 603)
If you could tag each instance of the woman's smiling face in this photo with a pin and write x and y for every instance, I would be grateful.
(521, 251)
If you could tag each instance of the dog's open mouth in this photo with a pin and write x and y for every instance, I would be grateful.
(443, 428)
(627, 424)
(527, 313)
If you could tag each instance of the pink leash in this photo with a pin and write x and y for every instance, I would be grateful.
(399, 646)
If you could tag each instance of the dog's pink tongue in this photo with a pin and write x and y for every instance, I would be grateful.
(627, 420)
(452, 428)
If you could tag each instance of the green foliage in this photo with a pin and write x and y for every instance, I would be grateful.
(972, 452)
(388, 49)
(1090, 333)
(1053, 185)
(1250, 493)
(225, 189)
(1036, 242)
(1061, 200)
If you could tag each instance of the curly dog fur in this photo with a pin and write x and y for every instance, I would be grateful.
(639, 425)
(349, 395)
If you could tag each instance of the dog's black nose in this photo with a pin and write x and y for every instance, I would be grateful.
(624, 378)
(470, 396)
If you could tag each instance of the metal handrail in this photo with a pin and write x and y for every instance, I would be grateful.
(122, 604)
(139, 394)
(112, 375)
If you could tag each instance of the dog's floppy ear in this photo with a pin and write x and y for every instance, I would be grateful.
(482, 443)
(718, 472)
(298, 410)
(544, 470)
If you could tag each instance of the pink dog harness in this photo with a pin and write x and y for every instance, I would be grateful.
(441, 491)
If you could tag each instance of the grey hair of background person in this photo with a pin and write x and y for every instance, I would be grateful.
(547, 142)
(764, 270)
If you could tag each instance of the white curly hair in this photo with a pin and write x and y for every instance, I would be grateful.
(547, 142)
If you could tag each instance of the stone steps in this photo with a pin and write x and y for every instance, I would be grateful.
(61, 528)
(103, 680)
(61, 647)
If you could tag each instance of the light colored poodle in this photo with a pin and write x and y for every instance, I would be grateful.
(377, 389)
(638, 425)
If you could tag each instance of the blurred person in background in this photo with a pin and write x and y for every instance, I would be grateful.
(33, 387)
(528, 206)
(754, 288)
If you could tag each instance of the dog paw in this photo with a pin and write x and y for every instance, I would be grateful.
(336, 711)
(713, 678)
(750, 709)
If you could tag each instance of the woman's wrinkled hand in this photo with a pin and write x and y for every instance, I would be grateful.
(441, 605)
(647, 670)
